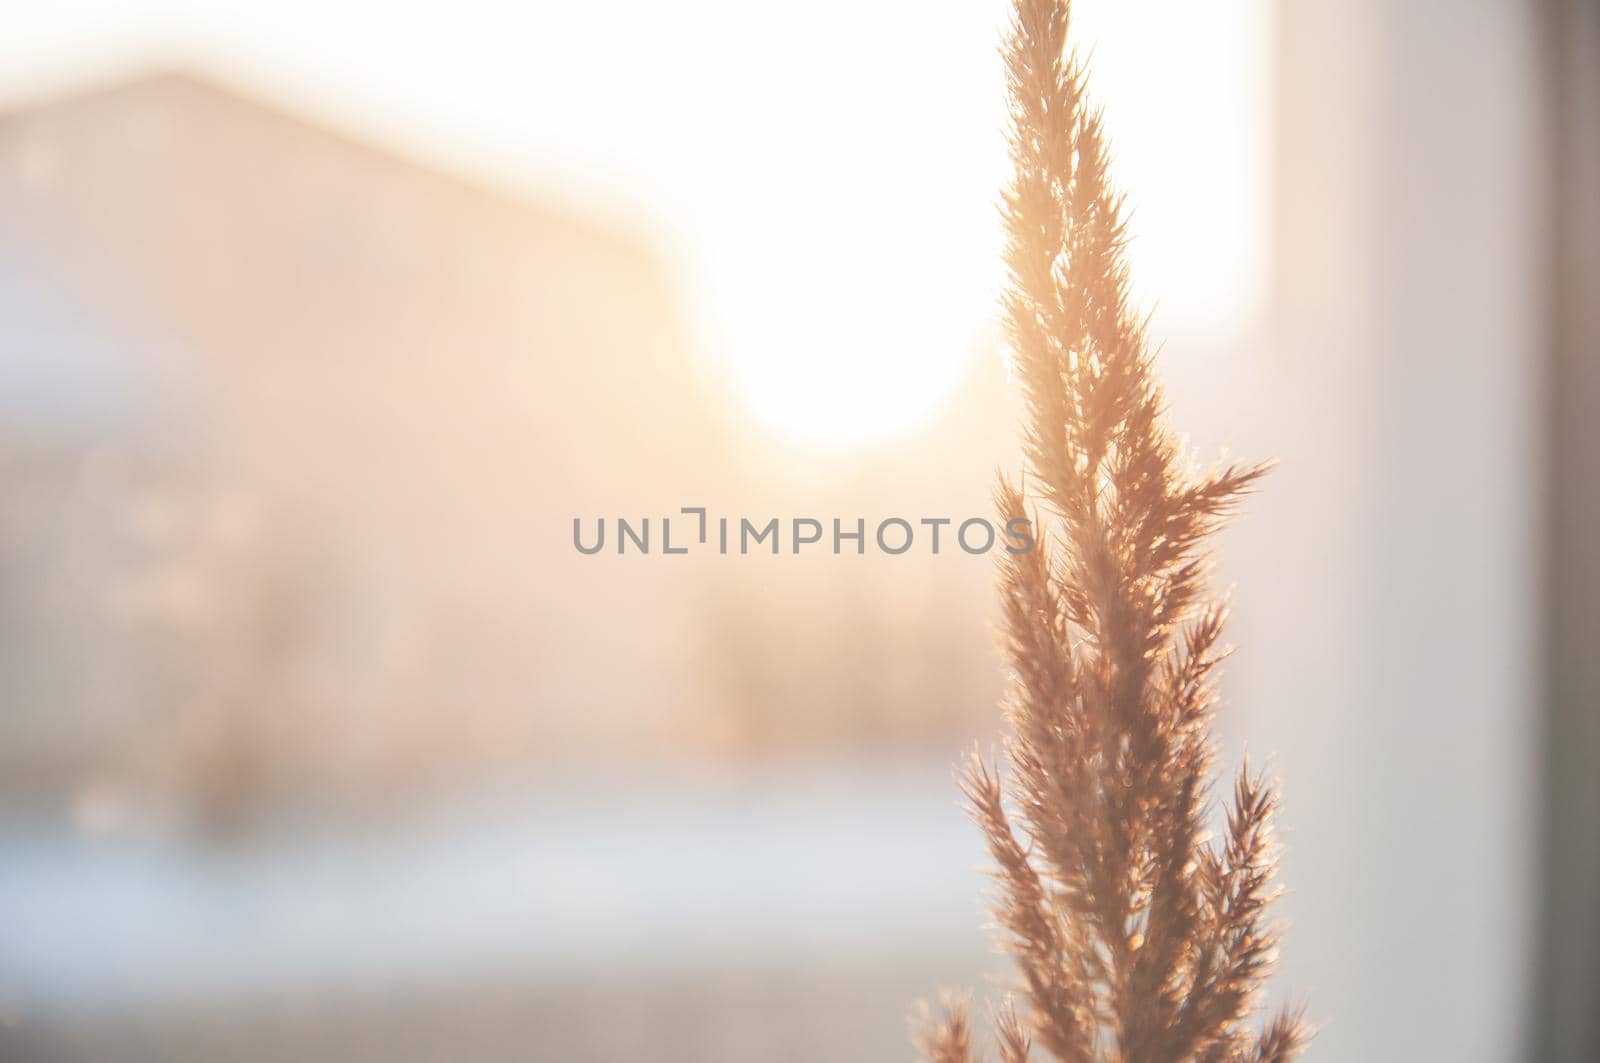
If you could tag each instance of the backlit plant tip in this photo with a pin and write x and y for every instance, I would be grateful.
(1137, 940)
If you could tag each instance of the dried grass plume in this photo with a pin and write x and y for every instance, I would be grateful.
(1137, 939)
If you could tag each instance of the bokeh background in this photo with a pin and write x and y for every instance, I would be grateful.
(319, 324)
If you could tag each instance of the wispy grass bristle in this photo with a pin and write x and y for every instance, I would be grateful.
(1137, 940)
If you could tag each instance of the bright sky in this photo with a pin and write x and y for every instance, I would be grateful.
(825, 174)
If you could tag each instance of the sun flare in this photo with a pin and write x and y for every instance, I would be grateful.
(832, 350)
(846, 303)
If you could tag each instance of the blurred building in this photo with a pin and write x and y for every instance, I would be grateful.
(289, 423)
(294, 433)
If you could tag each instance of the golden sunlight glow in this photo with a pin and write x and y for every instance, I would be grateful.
(846, 301)
(843, 336)
(827, 195)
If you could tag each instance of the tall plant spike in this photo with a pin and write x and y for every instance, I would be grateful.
(1137, 940)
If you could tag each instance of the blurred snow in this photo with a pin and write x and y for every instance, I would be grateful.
(573, 881)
